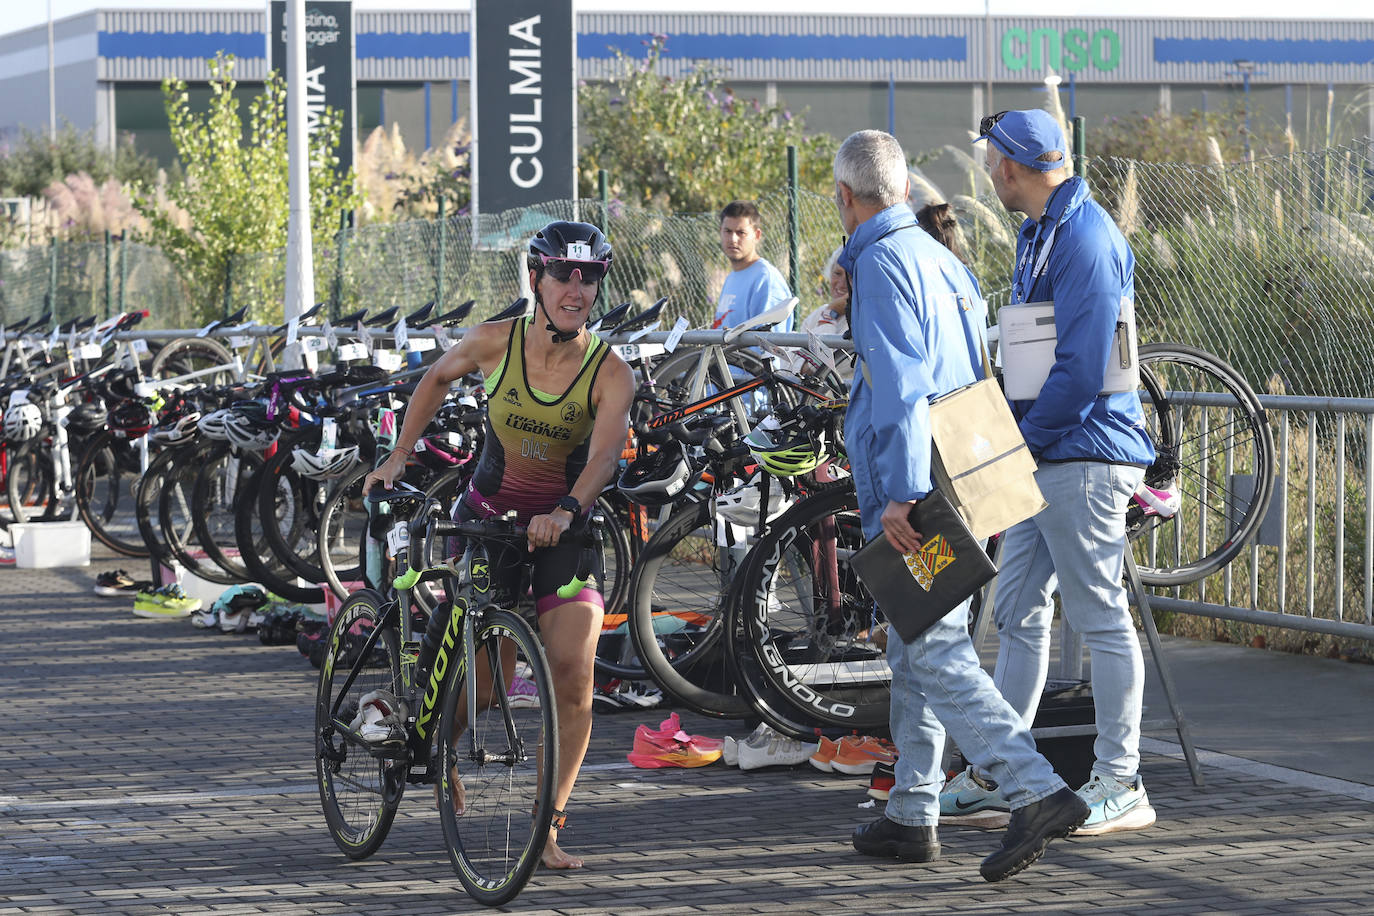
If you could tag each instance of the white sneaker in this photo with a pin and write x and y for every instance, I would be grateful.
(1115, 805)
(773, 749)
(729, 751)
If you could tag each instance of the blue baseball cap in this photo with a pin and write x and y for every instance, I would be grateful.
(1025, 136)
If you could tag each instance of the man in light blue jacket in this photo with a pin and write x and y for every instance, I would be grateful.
(1092, 449)
(918, 325)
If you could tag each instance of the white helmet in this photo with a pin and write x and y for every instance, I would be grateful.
(248, 433)
(212, 424)
(326, 464)
(740, 505)
(174, 432)
(22, 422)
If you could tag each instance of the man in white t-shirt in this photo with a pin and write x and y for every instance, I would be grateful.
(753, 286)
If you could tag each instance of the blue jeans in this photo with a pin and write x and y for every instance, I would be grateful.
(937, 684)
(1078, 545)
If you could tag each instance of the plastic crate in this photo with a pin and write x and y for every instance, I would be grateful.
(41, 545)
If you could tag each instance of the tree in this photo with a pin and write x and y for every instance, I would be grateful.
(689, 144)
(37, 162)
(233, 199)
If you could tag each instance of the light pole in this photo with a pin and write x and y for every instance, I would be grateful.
(52, 82)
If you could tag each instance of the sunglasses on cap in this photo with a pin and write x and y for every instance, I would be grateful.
(985, 126)
(561, 269)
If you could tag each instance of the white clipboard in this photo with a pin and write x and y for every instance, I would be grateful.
(1027, 339)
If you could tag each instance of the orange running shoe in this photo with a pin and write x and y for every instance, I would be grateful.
(824, 757)
(858, 758)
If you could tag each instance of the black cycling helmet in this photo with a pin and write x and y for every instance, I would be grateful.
(570, 242)
(660, 477)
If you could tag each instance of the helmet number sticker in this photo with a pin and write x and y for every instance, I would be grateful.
(579, 251)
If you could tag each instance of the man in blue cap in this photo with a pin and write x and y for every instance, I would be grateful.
(1092, 449)
(919, 323)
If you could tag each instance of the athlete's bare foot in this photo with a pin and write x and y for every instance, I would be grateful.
(554, 857)
(459, 800)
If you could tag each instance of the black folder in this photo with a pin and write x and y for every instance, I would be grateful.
(915, 590)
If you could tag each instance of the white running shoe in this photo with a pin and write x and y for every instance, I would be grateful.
(773, 749)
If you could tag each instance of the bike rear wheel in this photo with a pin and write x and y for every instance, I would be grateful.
(1213, 442)
(507, 761)
(359, 791)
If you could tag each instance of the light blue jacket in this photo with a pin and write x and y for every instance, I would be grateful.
(1088, 270)
(750, 292)
(919, 324)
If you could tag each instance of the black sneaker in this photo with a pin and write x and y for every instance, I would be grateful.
(891, 840)
(117, 582)
(1031, 830)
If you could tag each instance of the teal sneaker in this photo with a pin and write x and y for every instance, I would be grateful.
(1115, 805)
(974, 801)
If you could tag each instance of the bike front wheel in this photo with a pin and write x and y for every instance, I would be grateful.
(360, 787)
(499, 769)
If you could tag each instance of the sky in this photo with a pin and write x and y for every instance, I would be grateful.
(23, 15)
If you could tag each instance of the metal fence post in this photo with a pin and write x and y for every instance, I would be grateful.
(1080, 147)
(603, 191)
(228, 285)
(123, 267)
(793, 221)
(109, 274)
(51, 304)
(341, 241)
(439, 270)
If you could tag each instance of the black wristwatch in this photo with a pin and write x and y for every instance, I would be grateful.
(570, 504)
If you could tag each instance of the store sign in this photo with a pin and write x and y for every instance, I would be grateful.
(525, 97)
(328, 64)
(1071, 50)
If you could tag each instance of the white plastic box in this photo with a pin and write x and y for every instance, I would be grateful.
(39, 545)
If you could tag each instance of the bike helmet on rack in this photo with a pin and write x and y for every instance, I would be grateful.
(787, 449)
(248, 428)
(87, 419)
(130, 419)
(211, 424)
(659, 477)
(740, 505)
(324, 465)
(23, 421)
(176, 430)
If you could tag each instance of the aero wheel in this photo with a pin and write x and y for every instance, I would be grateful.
(808, 622)
(1214, 447)
(500, 769)
(360, 786)
(106, 477)
(676, 606)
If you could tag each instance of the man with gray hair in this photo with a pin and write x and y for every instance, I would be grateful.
(919, 325)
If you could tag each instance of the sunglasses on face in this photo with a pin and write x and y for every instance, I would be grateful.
(985, 126)
(561, 269)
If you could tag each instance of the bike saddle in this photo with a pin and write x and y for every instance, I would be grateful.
(420, 317)
(383, 319)
(449, 319)
(611, 318)
(352, 317)
(515, 310)
(642, 320)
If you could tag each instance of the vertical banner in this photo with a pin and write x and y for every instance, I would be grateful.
(524, 99)
(328, 64)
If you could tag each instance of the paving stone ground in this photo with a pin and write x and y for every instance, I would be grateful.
(152, 768)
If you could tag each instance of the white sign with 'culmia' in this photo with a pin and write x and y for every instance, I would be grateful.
(524, 95)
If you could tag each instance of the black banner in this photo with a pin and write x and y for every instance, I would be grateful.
(525, 101)
(328, 64)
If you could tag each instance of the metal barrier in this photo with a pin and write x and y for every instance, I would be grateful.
(1296, 573)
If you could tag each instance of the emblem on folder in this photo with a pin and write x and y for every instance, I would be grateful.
(927, 561)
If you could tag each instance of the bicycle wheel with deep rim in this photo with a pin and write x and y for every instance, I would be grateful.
(808, 621)
(676, 611)
(343, 520)
(106, 476)
(507, 761)
(359, 791)
(223, 475)
(1214, 444)
(146, 499)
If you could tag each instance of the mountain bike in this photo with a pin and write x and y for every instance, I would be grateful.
(450, 705)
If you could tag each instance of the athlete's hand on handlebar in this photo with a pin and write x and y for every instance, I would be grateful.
(387, 472)
(546, 530)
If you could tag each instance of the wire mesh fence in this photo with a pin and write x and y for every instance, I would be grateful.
(1269, 264)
